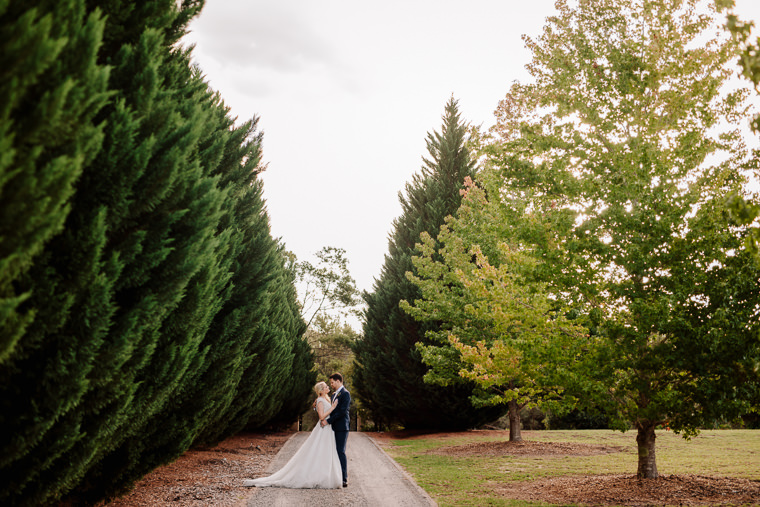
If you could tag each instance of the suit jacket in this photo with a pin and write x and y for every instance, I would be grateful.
(338, 418)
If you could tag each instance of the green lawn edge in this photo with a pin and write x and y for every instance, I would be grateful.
(456, 481)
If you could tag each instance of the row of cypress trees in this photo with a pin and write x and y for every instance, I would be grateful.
(144, 305)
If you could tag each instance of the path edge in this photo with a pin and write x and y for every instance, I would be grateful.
(403, 471)
(268, 471)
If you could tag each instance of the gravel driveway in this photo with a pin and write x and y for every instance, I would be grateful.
(374, 479)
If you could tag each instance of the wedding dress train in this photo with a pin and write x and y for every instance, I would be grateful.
(315, 465)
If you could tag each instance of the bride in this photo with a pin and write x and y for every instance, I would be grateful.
(316, 463)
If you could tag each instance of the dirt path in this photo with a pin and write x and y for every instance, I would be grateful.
(374, 479)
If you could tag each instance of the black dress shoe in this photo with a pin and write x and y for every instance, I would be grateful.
(345, 484)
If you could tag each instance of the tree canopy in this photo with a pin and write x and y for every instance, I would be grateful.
(389, 372)
(326, 287)
(625, 143)
(498, 326)
(746, 212)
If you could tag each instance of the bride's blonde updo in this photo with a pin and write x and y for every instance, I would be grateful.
(319, 386)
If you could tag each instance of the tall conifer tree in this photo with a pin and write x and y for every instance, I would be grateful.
(196, 270)
(144, 285)
(389, 373)
(113, 291)
(51, 91)
(278, 367)
(51, 87)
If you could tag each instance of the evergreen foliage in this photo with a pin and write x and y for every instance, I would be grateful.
(273, 355)
(51, 88)
(54, 88)
(143, 299)
(389, 372)
(294, 378)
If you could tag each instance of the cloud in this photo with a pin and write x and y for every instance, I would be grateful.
(260, 47)
(260, 35)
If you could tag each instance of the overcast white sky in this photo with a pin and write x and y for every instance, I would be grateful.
(348, 90)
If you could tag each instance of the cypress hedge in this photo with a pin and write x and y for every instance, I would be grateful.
(144, 305)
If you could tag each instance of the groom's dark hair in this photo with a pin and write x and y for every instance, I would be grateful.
(337, 376)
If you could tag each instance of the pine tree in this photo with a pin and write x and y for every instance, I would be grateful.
(252, 259)
(297, 387)
(231, 301)
(389, 373)
(200, 271)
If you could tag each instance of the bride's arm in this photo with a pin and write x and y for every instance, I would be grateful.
(323, 413)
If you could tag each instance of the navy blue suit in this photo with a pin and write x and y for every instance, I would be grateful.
(339, 420)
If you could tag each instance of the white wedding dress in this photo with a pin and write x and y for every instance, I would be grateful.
(315, 465)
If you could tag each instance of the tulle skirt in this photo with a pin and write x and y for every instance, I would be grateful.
(315, 465)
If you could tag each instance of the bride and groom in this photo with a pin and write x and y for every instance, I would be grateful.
(321, 460)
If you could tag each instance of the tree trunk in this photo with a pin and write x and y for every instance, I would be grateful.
(515, 434)
(647, 458)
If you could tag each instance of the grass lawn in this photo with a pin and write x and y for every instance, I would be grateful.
(469, 480)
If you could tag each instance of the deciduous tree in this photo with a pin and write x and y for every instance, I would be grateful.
(627, 127)
(747, 211)
(332, 342)
(497, 326)
(327, 287)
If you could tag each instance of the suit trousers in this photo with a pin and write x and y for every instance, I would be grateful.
(340, 443)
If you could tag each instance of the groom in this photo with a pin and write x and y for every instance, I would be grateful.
(338, 419)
